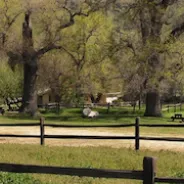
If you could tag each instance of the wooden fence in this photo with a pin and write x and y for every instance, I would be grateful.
(147, 175)
(137, 137)
(172, 107)
(57, 106)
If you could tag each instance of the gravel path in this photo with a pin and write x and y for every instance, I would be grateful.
(153, 145)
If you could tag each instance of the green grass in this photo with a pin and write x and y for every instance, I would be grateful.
(74, 115)
(115, 116)
(168, 163)
(10, 178)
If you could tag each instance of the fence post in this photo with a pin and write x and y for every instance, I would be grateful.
(46, 107)
(58, 107)
(149, 170)
(175, 108)
(168, 108)
(108, 108)
(137, 133)
(41, 131)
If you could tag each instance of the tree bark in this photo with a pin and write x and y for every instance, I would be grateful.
(151, 25)
(153, 105)
(29, 102)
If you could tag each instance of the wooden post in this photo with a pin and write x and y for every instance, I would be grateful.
(58, 107)
(46, 107)
(168, 108)
(175, 108)
(134, 105)
(108, 108)
(137, 133)
(41, 131)
(140, 103)
(149, 170)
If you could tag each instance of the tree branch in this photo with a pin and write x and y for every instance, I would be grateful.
(178, 30)
(46, 49)
(8, 23)
(70, 22)
(50, 47)
(166, 3)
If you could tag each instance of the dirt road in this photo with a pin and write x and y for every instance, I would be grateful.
(153, 145)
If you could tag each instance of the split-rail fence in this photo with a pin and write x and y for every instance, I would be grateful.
(147, 175)
(137, 137)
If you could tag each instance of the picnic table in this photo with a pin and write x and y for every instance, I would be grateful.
(177, 116)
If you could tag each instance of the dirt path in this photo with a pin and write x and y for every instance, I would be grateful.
(153, 145)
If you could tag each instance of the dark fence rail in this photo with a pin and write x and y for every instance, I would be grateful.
(162, 125)
(169, 180)
(90, 126)
(19, 124)
(87, 137)
(25, 136)
(147, 175)
(100, 173)
(136, 136)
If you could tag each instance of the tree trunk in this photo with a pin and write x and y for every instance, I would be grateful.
(29, 101)
(153, 102)
(78, 85)
(153, 106)
(139, 103)
(29, 104)
(151, 25)
(140, 98)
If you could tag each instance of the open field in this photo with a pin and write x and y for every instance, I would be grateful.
(73, 116)
(106, 154)
(168, 163)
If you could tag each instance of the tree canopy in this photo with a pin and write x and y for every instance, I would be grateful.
(93, 46)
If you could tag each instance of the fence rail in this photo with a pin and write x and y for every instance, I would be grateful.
(174, 106)
(136, 137)
(19, 124)
(147, 175)
(100, 173)
(90, 126)
(57, 106)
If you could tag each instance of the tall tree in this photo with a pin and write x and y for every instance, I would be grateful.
(63, 14)
(151, 18)
(151, 22)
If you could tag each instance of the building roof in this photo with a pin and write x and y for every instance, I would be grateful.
(43, 91)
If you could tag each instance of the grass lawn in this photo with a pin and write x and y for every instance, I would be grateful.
(168, 163)
(115, 116)
(74, 116)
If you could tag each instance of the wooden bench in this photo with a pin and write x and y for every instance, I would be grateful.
(177, 116)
